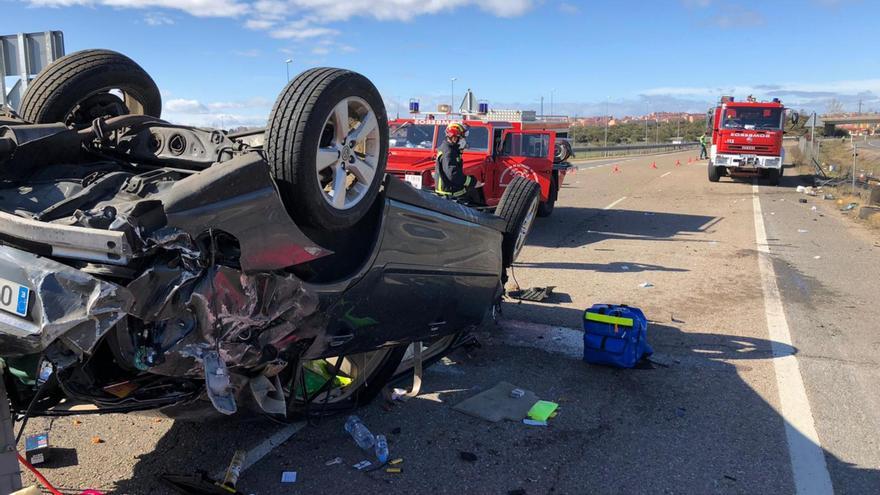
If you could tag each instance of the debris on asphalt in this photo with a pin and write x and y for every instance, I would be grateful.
(802, 200)
(398, 394)
(381, 448)
(394, 470)
(660, 360)
(496, 404)
(97, 440)
(467, 456)
(542, 410)
(394, 462)
(809, 190)
(817, 257)
(646, 285)
(802, 231)
(362, 465)
(535, 294)
(849, 207)
(814, 209)
(829, 196)
(534, 422)
(288, 477)
(359, 432)
(517, 393)
(233, 472)
(36, 448)
(334, 461)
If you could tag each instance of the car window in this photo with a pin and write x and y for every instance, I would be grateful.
(527, 145)
(412, 136)
(477, 137)
(753, 118)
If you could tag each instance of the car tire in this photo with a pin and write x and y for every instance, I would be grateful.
(312, 120)
(518, 207)
(545, 209)
(714, 173)
(76, 89)
(361, 395)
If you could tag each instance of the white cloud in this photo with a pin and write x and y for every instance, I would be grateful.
(198, 8)
(569, 8)
(185, 106)
(156, 19)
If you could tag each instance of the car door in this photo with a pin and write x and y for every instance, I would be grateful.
(529, 154)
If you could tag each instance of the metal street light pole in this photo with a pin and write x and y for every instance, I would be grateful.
(607, 99)
(287, 67)
(452, 96)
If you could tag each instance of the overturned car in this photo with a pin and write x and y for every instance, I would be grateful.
(152, 266)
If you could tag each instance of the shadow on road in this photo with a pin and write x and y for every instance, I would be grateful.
(718, 417)
(693, 427)
(614, 267)
(575, 227)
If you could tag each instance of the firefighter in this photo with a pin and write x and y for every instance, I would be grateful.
(451, 180)
(703, 153)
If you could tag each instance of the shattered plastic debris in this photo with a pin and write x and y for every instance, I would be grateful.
(334, 461)
(362, 465)
(849, 207)
(646, 285)
(288, 477)
(534, 422)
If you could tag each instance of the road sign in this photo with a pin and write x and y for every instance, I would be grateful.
(22, 57)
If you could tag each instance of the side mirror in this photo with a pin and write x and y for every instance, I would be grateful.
(795, 117)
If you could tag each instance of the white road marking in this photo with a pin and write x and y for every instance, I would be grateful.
(664, 175)
(612, 205)
(256, 453)
(808, 466)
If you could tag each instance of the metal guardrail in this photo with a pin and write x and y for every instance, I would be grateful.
(23, 56)
(631, 149)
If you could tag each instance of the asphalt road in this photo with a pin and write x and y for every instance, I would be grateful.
(712, 420)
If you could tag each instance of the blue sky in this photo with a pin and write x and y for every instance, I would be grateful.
(223, 60)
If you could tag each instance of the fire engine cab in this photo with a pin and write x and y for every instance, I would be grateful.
(747, 139)
(500, 145)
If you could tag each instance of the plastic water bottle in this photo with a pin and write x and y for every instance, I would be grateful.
(381, 449)
(360, 433)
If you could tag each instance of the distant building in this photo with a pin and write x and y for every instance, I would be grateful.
(665, 117)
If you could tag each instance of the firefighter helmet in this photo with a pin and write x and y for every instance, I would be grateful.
(455, 130)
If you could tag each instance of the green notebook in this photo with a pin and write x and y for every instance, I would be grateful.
(542, 410)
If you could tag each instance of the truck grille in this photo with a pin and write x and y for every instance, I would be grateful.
(753, 148)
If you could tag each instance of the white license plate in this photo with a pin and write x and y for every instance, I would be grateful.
(414, 180)
(14, 297)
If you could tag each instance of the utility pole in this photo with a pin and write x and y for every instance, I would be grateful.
(542, 107)
(607, 98)
(452, 97)
(646, 122)
(853, 142)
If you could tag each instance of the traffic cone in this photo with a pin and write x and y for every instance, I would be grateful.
(654, 165)
(690, 160)
(615, 170)
(677, 163)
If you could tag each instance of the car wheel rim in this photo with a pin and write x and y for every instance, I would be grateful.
(357, 368)
(525, 227)
(348, 153)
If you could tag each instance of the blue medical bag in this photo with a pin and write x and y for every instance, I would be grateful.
(615, 335)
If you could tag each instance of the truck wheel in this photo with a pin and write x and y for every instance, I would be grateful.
(327, 146)
(562, 151)
(545, 209)
(519, 207)
(773, 176)
(85, 85)
(714, 173)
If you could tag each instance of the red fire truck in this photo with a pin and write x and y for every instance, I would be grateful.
(747, 139)
(500, 145)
